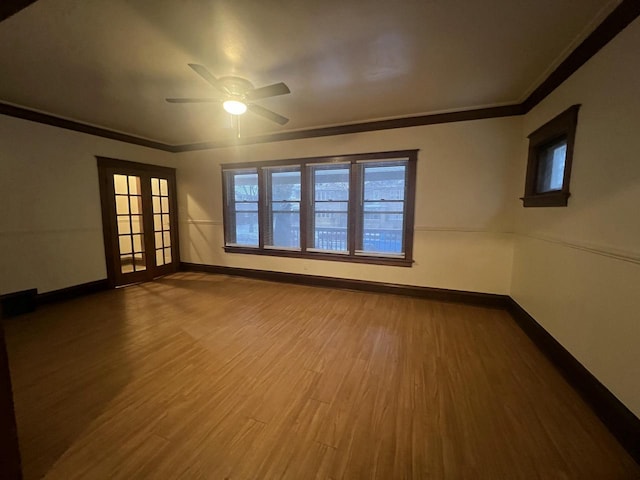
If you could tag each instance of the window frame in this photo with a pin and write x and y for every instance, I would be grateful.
(230, 220)
(560, 127)
(313, 210)
(354, 210)
(268, 202)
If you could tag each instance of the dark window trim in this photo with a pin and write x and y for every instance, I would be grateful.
(561, 126)
(353, 159)
(324, 159)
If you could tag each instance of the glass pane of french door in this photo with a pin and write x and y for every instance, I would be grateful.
(129, 220)
(161, 220)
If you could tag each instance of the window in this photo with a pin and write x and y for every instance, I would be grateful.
(549, 163)
(356, 208)
(381, 220)
(282, 229)
(330, 208)
(242, 204)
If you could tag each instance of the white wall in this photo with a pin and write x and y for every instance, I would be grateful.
(50, 218)
(463, 214)
(577, 269)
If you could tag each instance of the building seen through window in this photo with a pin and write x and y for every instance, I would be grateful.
(350, 207)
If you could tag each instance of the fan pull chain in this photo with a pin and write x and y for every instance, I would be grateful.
(237, 122)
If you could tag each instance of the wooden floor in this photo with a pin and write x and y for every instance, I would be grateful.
(205, 376)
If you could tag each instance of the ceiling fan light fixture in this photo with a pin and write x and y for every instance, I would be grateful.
(234, 107)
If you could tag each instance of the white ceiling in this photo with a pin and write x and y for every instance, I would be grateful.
(111, 63)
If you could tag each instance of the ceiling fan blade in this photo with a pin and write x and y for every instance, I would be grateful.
(206, 74)
(192, 100)
(268, 114)
(268, 91)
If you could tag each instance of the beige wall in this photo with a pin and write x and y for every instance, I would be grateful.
(577, 269)
(50, 219)
(463, 214)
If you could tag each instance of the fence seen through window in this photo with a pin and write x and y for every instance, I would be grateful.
(356, 207)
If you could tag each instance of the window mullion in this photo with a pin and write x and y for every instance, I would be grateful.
(305, 206)
(408, 174)
(267, 199)
(311, 223)
(230, 208)
(359, 219)
(262, 206)
(409, 207)
(354, 208)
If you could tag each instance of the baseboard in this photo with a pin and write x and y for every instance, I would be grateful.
(10, 465)
(623, 423)
(440, 294)
(17, 303)
(72, 292)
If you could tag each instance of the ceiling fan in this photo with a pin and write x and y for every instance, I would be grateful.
(239, 95)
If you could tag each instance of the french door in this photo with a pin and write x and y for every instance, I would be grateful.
(139, 217)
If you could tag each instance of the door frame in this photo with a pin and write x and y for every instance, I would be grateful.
(10, 465)
(107, 167)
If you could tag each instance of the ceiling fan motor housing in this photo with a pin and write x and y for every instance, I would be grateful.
(236, 87)
(240, 94)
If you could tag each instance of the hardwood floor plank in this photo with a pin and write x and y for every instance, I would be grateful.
(199, 376)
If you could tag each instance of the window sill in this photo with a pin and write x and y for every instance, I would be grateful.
(336, 257)
(551, 199)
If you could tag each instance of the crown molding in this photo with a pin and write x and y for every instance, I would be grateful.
(9, 8)
(404, 122)
(625, 13)
(48, 119)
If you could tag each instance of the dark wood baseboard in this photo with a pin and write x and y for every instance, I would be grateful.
(624, 425)
(73, 292)
(17, 303)
(10, 466)
(440, 294)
